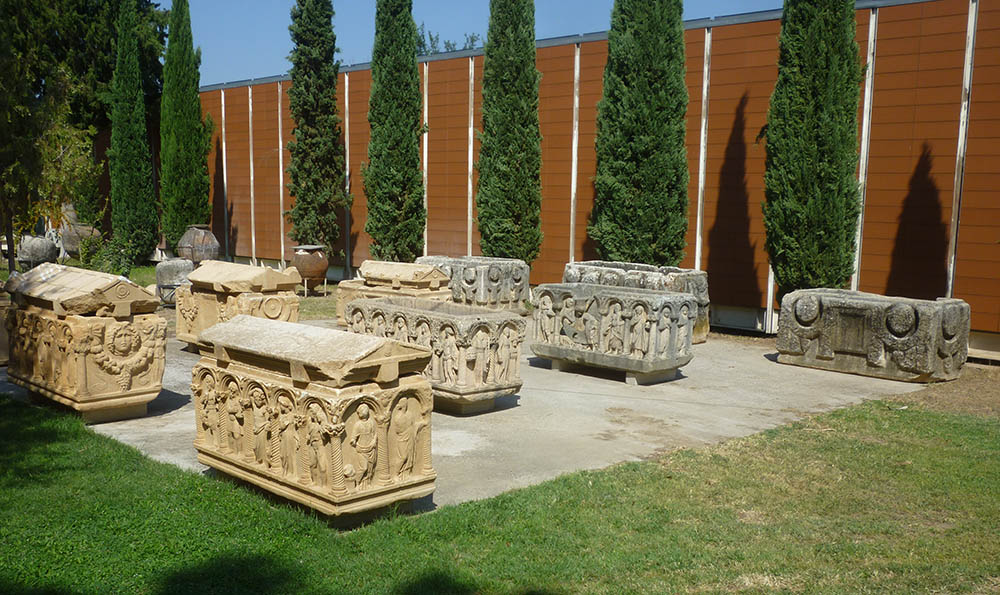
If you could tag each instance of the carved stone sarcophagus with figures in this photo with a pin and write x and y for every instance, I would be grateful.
(393, 279)
(86, 339)
(646, 276)
(498, 283)
(874, 335)
(337, 421)
(645, 333)
(221, 290)
(476, 351)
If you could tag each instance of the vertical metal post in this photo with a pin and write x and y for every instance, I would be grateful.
(866, 132)
(225, 177)
(424, 140)
(769, 325)
(706, 71)
(253, 224)
(574, 151)
(472, 112)
(347, 173)
(963, 137)
(281, 184)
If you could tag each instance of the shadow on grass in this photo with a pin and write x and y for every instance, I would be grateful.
(444, 582)
(234, 573)
(31, 438)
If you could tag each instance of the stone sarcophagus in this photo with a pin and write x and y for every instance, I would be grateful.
(874, 335)
(393, 279)
(86, 339)
(647, 276)
(4, 306)
(476, 351)
(221, 290)
(337, 421)
(645, 333)
(498, 283)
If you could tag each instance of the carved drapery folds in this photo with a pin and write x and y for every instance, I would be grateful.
(393, 279)
(873, 335)
(476, 352)
(645, 276)
(645, 333)
(497, 283)
(87, 340)
(333, 420)
(220, 291)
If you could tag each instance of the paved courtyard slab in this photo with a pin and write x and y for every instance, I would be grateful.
(562, 421)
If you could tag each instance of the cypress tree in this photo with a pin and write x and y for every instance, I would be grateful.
(317, 165)
(640, 203)
(133, 212)
(509, 193)
(184, 139)
(812, 205)
(392, 179)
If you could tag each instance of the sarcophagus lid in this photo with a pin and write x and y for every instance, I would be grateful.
(315, 354)
(231, 277)
(402, 274)
(69, 291)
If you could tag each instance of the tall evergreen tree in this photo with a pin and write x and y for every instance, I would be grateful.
(317, 165)
(185, 139)
(812, 205)
(392, 179)
(509, 193)
(133, 212)
(640, 205)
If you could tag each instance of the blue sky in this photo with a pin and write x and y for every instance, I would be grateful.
(243, 39)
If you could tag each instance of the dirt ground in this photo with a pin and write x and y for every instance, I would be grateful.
(976, 392)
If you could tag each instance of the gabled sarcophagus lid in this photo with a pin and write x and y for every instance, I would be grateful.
(315, 354)
(69, 291)
(231, 277)
(403, 274)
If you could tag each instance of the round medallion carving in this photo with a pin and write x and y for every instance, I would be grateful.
(900, 319)
(272, 307)
(806, 310)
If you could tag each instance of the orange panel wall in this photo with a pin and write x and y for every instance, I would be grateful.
(694, 41)
(268, 176)
(238, 169)
(914, 134)
(977, 272)
(359, 87)
(211, 106)
(593, 57)
(447, 145)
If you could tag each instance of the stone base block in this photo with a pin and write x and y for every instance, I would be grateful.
(319, 500)
(113, 407)
(652, 378)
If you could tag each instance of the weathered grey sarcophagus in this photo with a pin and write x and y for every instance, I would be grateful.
(337, 421)
(874, 335)
(645, 333)
(646, 276)
(86, 339)
(393, 279)
(221, 290)
(476, 351)
(498, 283)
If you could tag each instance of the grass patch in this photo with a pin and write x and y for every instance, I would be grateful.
(318, 307)
(870, 498)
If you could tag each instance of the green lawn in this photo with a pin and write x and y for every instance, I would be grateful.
(877, 497)
(318, 307)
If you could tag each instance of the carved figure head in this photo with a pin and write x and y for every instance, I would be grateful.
(258, 397)
(285, 404)
(363, 411)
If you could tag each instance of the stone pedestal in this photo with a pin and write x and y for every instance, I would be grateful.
(86, 339)
(171, 274)
(476, 351)
(642, 332)
(646, 276)
(221, 290)
(393, 279)
(337, 421)
(874, 335)
(498, 283)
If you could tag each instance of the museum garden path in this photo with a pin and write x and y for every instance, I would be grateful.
(561, 422)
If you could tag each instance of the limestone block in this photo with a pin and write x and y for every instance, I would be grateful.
(645, 333)
(476, 351)
(87, 340)
(337, 421)
(219, 291)
(393, 279)
(171, 274)
(874, 335)
(633, 274)
(500, 283)
(34, 250)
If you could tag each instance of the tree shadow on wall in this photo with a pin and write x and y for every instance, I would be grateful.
(732, 271)
(919, 266)
(222, 209)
